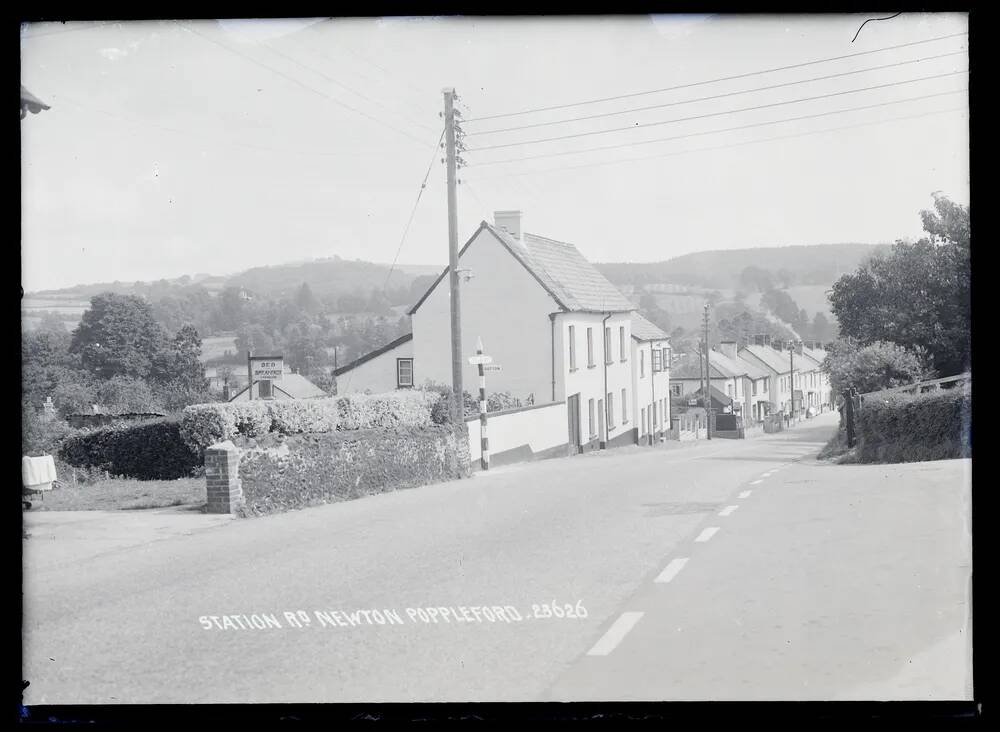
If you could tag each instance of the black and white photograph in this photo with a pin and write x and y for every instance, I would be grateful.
(392, 359)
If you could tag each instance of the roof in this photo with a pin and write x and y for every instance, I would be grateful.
(777, 361)
(689, 367)
(644, 330)
(372, 354)
(31, 103)
(816, 354)
(573, 282)
(290, 386)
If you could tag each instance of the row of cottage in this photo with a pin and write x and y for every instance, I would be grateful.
(596, 373)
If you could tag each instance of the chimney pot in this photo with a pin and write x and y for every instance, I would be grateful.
(509, 221)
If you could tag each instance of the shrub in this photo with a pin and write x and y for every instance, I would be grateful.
(252, 419)
(395, 409)
(322, 468)
(294, 417)
(203, 425)
(147, 451)
(898, 428)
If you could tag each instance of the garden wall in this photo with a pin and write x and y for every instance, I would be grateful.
(899, 428)
(284, 472)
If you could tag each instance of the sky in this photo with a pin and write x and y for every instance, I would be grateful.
(185, 147)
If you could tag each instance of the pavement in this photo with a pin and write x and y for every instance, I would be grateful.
(531, 582)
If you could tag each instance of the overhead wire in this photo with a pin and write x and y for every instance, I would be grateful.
(646, 125)
(716, 96)
(712, 132)
(723, 147)
(298, 82)
(718, 79)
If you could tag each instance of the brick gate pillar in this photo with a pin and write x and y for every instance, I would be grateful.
(225, 492)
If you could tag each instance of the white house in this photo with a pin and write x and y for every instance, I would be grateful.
(740, 385)
(650, 379)
(783, 372)
(816, 388)
(559, 330)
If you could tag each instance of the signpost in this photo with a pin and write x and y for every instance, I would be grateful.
(482, 361)
(493, 367)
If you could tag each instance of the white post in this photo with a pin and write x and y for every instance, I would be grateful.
(484, 460)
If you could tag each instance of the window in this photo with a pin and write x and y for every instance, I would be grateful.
(590, 410)
(404, 373)
(665, 364)
(656, 353)
(611, 410)
(621, 344)
(642, 363)
(624, 407)
(590, 348)
(753, 387)
(729, 390)
(675, 389)
(264, 390)
(607, 345)
(572, 348)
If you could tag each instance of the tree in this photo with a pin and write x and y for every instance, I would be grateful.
(179, 361)
(121, 394)
(756, 278)
(117, 336)
(875, 366)
(918, 295)
(822, 329)
(305, 299)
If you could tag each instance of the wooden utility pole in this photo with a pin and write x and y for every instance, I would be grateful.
(456, 310)
(249, 368)
(708, 381)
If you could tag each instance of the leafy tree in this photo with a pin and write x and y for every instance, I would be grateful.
(117, 336)
(918, 295)
(822, 329)
(179, 361)
(305, 300)
(121, 394)
(74, 397)
(875, 366)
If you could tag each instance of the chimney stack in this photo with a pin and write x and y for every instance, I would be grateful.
(509, 221)
(728, 349)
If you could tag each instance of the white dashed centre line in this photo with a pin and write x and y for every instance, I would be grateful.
(745, 494)
(672, 570)
(727, 510)
(610, 640)
(707, 533)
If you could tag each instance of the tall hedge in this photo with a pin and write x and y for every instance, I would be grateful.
(206, 424)
(148, 451)
(326, 467)
(901, 428)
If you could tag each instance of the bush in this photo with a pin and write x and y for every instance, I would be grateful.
(295, 417)
(395, 409)
(252, 419)
(899, 428)
(203, 425)
(146, 451)
(41, 435)
(323, 468)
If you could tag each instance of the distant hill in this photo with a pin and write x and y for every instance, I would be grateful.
(819, 264)
(329, 277)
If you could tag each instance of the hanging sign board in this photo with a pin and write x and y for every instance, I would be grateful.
(493, 367)
(267, 367)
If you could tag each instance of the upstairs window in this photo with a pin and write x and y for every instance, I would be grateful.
(621, 344)
(572, 348)
(656, 353)
(642, 363)
(607, 345)
(590, 348)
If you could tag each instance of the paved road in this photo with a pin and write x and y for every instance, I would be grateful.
(825, 582)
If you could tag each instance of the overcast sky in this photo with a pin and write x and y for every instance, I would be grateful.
(181, 148)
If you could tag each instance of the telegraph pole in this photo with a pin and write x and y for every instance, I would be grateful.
(456, 310)
(249, 367)
(708, 380)
(791, 376)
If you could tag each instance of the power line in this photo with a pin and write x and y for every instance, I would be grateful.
(724, 129)
(717, 96)
(722, 78)
(343, 86)
(638, 126)
(409, 221)
(292, 79)
(726, 147)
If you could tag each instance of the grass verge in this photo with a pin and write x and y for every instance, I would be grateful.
(119, 494)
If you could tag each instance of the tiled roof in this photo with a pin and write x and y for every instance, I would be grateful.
(775, 360)
(572, 281)
(721, 365)
(644, 330)
(816, 354)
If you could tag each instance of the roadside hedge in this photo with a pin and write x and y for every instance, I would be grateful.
(322, 468)
(900, 428)
(151, 450)
(203, 425)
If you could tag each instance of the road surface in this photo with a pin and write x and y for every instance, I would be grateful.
(720, 570)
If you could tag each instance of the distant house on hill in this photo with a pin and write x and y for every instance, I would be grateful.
(289, 386)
